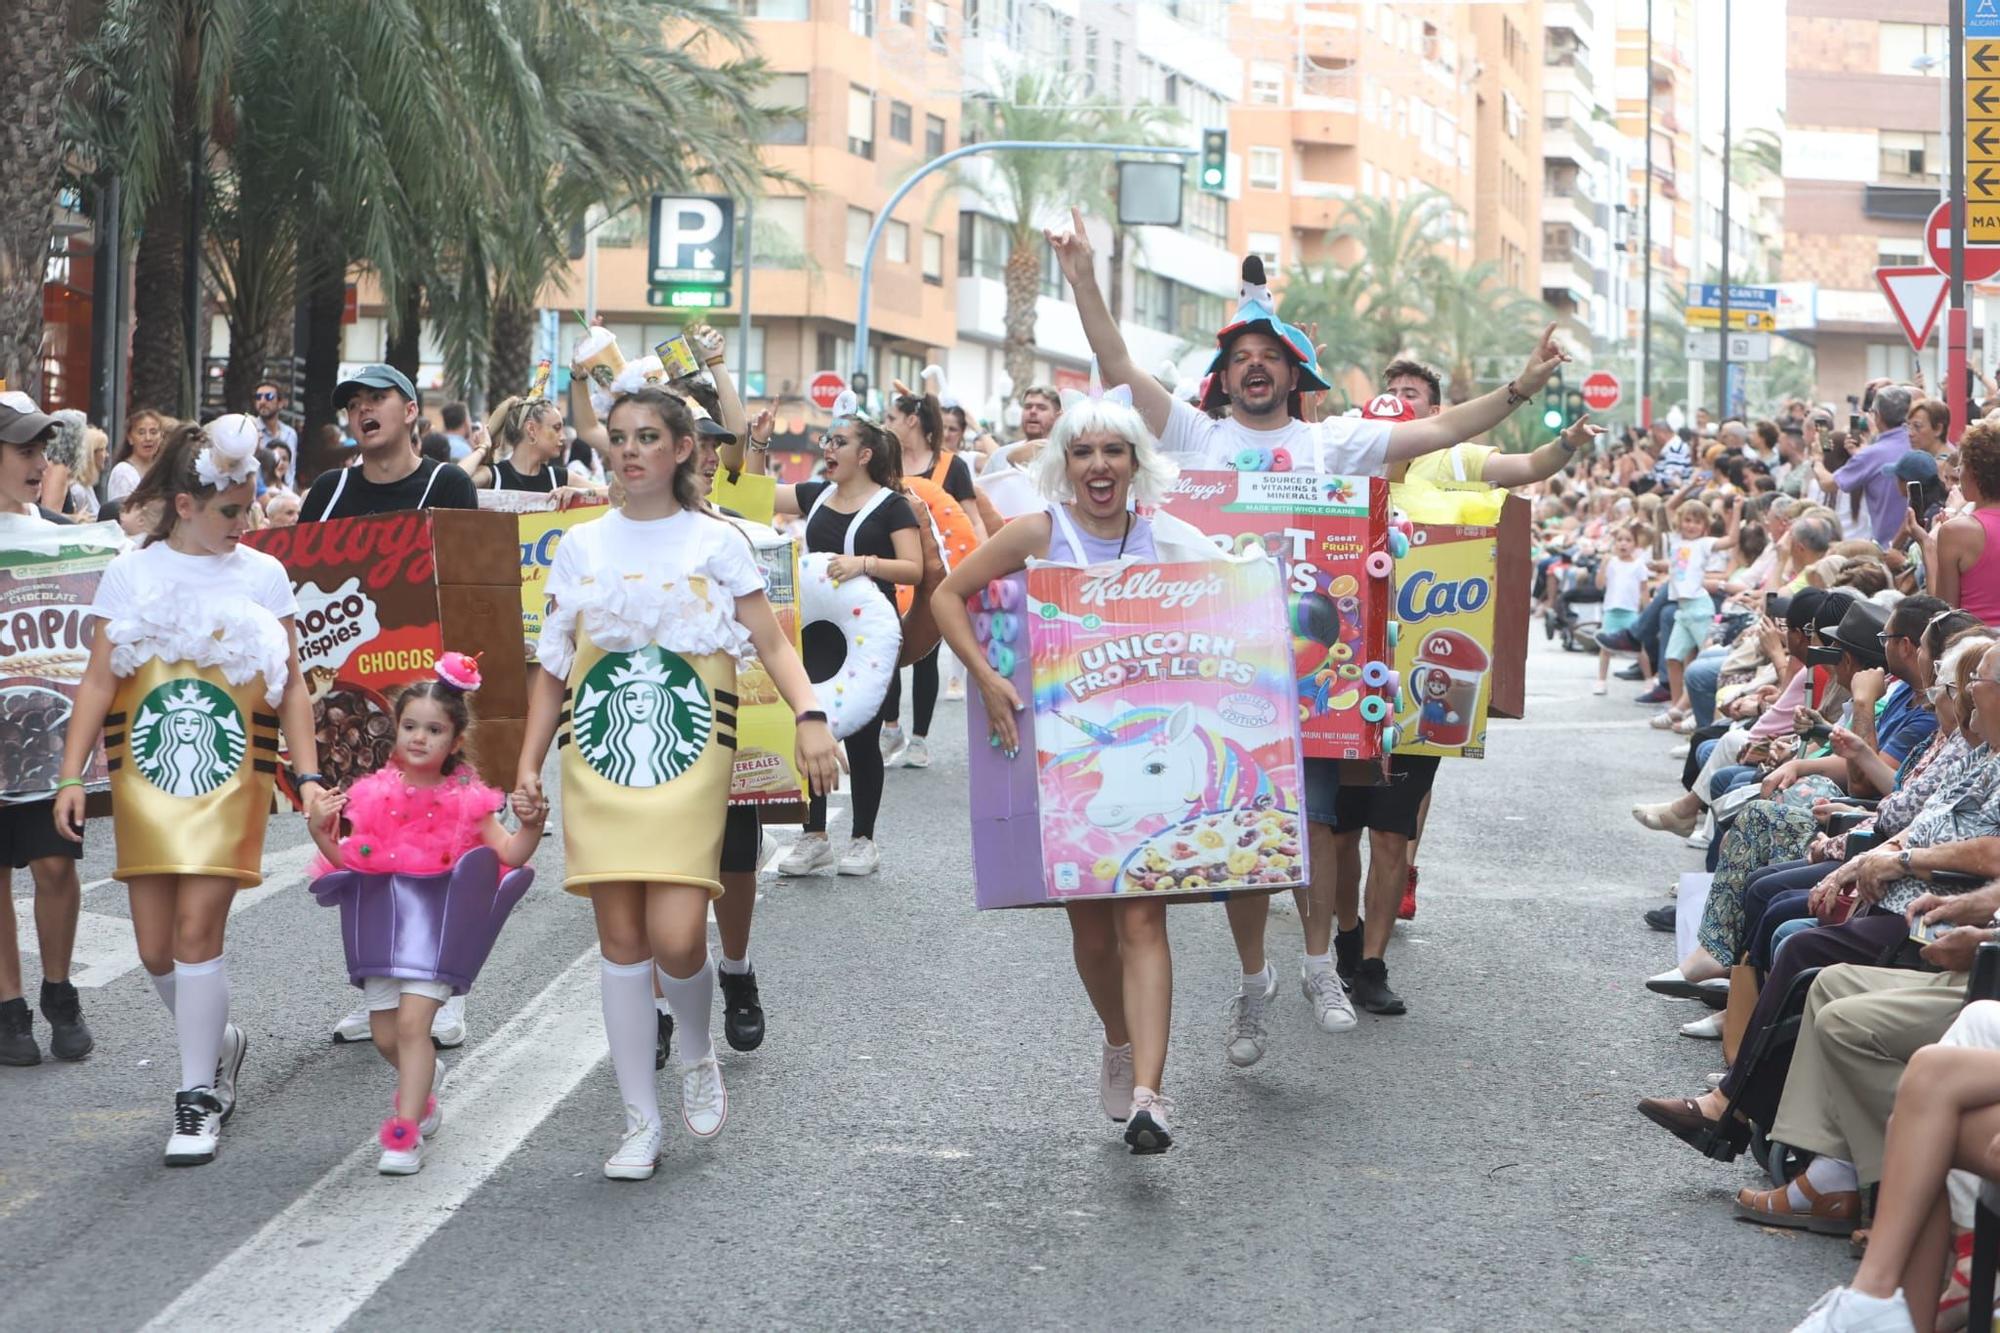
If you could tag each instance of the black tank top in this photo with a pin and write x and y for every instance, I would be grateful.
(506, 478)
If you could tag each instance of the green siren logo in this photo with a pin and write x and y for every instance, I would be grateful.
(641, 718)
(188, 739)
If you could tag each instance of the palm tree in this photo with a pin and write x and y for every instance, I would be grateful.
(1471, 314)
(30, 171)
(1327, 298)
(1398, 245)
(1029, 188)
(1756, 157)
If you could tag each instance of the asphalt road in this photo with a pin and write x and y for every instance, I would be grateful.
(918, 1143)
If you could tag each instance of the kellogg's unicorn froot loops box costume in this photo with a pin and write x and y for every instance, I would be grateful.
(1162, 731)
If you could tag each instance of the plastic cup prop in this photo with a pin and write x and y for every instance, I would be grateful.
(1445, 682)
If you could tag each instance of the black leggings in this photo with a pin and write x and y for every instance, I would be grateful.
(924, 686)
(864, 771)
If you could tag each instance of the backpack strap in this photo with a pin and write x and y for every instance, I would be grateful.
(854, 524)
(424, 499)
(333, 501)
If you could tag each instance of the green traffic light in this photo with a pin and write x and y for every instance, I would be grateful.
(1211, 177)
(1553, 419)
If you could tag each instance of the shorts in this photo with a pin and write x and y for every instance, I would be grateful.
(379, 994)
(742, 839)
(1694, 617)
(1615, 620)
(1390, 808)
(28, 833)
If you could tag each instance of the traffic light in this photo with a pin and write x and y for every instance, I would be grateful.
(1214, 160)
(1552, 402)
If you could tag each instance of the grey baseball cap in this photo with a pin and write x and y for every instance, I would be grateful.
(373, 376)
(22, 420)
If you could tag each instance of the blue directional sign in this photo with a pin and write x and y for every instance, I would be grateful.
(1982, 18)
(1708, 295)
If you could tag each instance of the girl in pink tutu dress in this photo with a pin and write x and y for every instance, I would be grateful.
(417, 816)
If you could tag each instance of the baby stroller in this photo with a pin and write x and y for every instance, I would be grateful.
(1573, 614)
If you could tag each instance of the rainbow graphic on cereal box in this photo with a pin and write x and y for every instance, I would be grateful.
(1161, 752)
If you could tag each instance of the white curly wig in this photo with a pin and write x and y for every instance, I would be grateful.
(1152, 473)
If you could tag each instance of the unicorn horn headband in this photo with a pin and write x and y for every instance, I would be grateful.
(1122, 395)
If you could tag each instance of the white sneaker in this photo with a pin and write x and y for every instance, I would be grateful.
(1148, 1131)
(893, 744)
(638, 1152)
(1703, 835)
(1844, 1310)
(1678, 751)
(1599, 688)
(400, 1158)
(1662, 721)
(197, 1128)
(1247, 1037)
(1114, 1081)
(234, 1047)
(954, 690)
(810, 855)
(448, 1024)
(354, 1027)
(1704, 1029)
(918, 753)
(433, 1109)
(704, 1101)
(860, 858)
(1333, 1010)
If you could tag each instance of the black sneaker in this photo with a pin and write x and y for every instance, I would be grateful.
(1662, 918)
(69, 1036)
(1371, 988)
(17, 1034)
(742, 1015)
(1346, 955)
(1628, 673)
(664, 1042)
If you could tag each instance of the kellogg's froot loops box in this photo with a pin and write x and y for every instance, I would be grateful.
(1160, 753)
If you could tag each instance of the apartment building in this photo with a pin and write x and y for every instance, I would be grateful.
(1587, 278)
(1671, 238)
(1507, 141)
(1863, 153)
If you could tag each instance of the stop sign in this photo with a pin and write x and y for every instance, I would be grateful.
(825, 389)
(1601, 391)
(1982, 262)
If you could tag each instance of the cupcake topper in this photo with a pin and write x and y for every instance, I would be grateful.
(459, 671)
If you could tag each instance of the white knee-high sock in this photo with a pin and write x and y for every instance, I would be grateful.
(201, 1011)
(693, 999)
(164, 984)
(631, 1028)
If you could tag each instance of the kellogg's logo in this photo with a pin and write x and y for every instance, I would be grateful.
(1146, 584)
(395, 548)
(1423, 596)
(1199, 491)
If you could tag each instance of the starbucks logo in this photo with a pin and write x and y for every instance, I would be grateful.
(641, 718)
(188, 739)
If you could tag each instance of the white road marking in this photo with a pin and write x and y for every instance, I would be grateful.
(360, 1227)
(105, 950)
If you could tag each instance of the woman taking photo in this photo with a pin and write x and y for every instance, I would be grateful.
(918, 425)
(860, 518)
(143, 434)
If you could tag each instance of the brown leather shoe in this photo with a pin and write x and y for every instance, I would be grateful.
(1828, 1214)
(1679, 1116)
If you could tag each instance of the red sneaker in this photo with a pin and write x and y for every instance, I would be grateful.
(1408, 910)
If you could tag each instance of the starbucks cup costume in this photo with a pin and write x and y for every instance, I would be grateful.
(642, 631)
(201, 658)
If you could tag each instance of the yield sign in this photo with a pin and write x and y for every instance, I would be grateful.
(1916, 295)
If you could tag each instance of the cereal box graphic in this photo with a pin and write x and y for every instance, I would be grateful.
(48, 575)
(1161, 751)
(1323, 531)
(1444, 611)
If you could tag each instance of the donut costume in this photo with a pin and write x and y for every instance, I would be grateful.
(201, 659)
(642, 630)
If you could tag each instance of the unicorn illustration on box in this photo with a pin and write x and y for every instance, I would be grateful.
(1157, 762)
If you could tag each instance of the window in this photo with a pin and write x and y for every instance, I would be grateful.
(1888, 361)
(779, 227)
(773, 11)
(1908, 155)
(1170, 307)
(786, 97)
(896, 242)
(933, 136)
(937, 26)
(934, 258)
(859, 220)
(907, 367)
(860, 122)
(1268, 245)
(1901, 252)
(899, 121)
(835, 352)
(1512, 116)
(1203, 214)
(1913, 48)
(1267, 82)
(906, 12)
(982, 247)
(861, 17)
(1052, 278)
(1267, 169)
(732, 338)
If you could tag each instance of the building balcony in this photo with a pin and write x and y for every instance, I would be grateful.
(1899, 203)
(1563, 142)
(1317, 206)
(1576, 15)
(1566, 271)
(1331, 121)
(1572, 65)
(1328, 41)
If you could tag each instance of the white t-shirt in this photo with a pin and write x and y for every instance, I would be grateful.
(124, 479)
(1624, 584)
(1687, 568)
(159, 575)
(1338, 446)
(1853, 527)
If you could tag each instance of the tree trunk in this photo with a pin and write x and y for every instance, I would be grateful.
(407, 331)
(323, 281)
(159, 289)
(31, 99)
(251, 347)
(507, 368)
(1023, 275)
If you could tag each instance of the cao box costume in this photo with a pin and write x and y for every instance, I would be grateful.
(642, 631)
(202, 657)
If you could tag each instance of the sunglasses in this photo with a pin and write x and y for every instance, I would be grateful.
(267, 397)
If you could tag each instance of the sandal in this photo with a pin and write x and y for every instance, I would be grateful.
(1827, 1214)
(1952, 1312)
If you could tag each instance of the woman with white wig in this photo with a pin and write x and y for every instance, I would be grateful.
(1098, 462)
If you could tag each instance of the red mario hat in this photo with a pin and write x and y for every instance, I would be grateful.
(1452, 650)
(1388, 407)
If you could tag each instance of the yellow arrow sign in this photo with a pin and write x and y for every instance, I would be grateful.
(1742, 321)
(1982, 181)
(1982, 96)
(1982, 142)
(1984, 59)
(1983, 224)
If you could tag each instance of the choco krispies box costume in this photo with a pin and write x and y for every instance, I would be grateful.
(1160, 753)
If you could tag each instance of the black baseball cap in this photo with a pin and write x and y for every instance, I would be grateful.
(22, 420)
(374, 376)
(714, 430)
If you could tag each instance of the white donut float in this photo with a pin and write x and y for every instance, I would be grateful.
(853, 695)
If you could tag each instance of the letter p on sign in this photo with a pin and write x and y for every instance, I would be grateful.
(693, 238)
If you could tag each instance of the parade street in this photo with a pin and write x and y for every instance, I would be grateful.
(918, 1143)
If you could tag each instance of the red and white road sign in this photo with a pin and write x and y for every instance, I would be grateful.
(1601, 391)
(1982, 262)
(825, 389)
(1916, 295)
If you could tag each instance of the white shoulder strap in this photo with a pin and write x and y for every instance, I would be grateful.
(854, 524)
(1060, 513)
(333, 501)
(1457, 464)
(424, 499)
